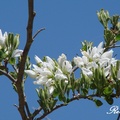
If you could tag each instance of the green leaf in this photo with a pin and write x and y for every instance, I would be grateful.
(98, 102)
(14, 87)
(85, 91)
(2, 55)
(109, 100)
(109, 37)
(93, 86)
(118, 37)
(52, 103)
(107, 90)
(60, 97)
(12, 61)
(55, 93)
(13, 74)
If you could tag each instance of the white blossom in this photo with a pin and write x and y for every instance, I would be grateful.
(94, 53)
(2, 38)
(48, 71)
(59, 75)
(17, 53)
(37, 59)
(64, 64)
(61, 59)
(94, 57)
(87, 72)
(31, 73)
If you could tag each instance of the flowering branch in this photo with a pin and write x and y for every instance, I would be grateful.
(77, 97)
(99, 71)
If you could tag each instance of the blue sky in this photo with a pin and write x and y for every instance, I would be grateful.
(67, 23)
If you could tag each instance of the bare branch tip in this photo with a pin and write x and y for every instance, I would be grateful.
(16, 106)
(40, 30)
(34, 13)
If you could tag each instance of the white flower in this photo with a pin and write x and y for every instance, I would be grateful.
(31, 73)
(17, 53)
(51, 89)
(45, 72)
(59, 75)
(41, 80)
(107, 54)
(64, 64)
(93, 54)
(49, 63)
(37, 59)
(87, 72)
(61, 59)
(2, 38)
(80, 61)
(66, 67)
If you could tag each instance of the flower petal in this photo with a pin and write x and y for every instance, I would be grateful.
(31, 73)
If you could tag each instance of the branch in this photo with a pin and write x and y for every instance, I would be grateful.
(36, 112)
(20, 82)
(76, 97)
(38, 33)
(112, 46)
(8, 75)
(118, 118)
(74, 69)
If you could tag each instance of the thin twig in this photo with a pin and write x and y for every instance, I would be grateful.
(38, 32)
(27, 109)
(74, 69)
(16, 70)
(8, 75)
(113, 46)
(16, 106)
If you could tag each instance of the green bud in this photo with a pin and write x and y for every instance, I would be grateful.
(98, 102)
(114, 20)
(14, 87)
(10, 39)
(109, 100)
(6, 42)
(103, 17)
(86, 45)
(109, 37)
(16, 41)
(118, 26)
(107, 90)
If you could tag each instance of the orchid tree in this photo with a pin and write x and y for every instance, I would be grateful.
(99, 75)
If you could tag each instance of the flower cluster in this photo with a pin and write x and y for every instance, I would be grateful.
(93, 58)
(9, 44)
(47, 71)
